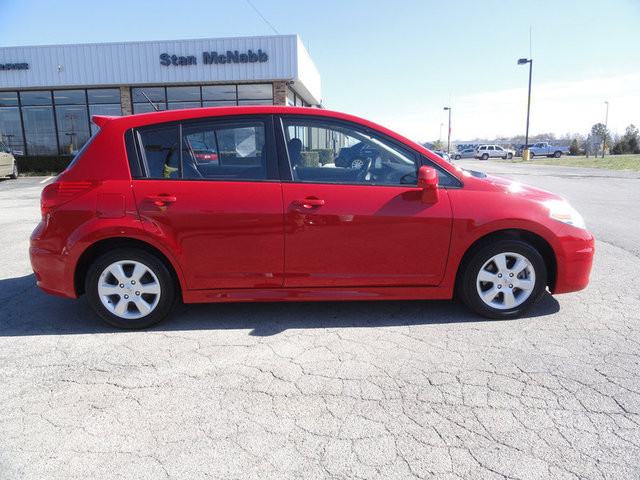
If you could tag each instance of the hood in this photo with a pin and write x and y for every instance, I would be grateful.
(514, 187)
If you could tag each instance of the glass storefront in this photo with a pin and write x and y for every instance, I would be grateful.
(174, 98)
(51, 122)
(58, 122)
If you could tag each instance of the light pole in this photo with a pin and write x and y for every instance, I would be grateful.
(525, 152)
(604, 136)
(440, 137)
(449, 136)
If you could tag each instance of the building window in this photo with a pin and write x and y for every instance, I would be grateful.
(219, 93)
(262, 91)
(73, 128)
(40, 130)
(183, 94)
(69, 97)
(8, 99)
(174, 98)
(11, 127)
(104, 95)
(42, 97)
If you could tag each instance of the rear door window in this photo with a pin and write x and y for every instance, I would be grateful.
(216, 149)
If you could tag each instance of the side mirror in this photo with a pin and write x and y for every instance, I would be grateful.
(428, 182)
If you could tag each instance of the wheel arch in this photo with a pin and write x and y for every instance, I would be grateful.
(98, 248)
(535, 240)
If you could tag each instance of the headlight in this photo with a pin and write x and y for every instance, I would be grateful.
(561, 211)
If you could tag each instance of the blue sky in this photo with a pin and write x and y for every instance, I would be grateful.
(398, 63)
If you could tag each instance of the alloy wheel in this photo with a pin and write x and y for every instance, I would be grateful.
(506, 281)
(129, 289)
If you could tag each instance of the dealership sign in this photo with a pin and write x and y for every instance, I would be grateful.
(214, 58)
(14, 66)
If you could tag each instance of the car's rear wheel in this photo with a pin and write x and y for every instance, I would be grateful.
(130, 288)
(14, 174)
(503, 279)
(557, 154)
(485, 156)
(510, 156)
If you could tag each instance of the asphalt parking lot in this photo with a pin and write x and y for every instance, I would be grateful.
(331, 390)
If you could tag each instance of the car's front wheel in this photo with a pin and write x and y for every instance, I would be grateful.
(357, 164)
(14, 174)
(130, 288)
(503, 279)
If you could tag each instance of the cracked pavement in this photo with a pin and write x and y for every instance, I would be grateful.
(329, 390)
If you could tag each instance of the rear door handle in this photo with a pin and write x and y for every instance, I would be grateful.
(309, 203)
(162, 199)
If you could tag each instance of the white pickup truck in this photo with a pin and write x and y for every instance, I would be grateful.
(546, 150)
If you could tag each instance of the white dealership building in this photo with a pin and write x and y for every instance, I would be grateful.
(49, 93)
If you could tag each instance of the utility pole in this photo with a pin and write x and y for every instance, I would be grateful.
(523, 61)
(449, 136)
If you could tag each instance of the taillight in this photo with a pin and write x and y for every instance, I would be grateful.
(58, 193)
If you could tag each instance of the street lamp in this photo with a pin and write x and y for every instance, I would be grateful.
(449, 136)
(440, 137)
(525, 152)
(604, 136)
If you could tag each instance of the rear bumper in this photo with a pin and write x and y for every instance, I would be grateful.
(50, 268)
(575, 259)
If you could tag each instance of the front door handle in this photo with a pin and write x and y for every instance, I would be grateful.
(162, 199)
(309, 203)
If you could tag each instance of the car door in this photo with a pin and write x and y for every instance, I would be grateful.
(223, 221)
(366, 227)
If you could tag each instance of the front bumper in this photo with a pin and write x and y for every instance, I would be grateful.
(574, 258)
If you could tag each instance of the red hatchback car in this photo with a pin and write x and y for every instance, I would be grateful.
(136, 222)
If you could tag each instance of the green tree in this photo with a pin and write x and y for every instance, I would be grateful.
(629, 142)
(600, 130)
(632, 137)
(574, 148)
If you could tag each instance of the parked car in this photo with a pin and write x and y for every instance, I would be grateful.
(546, 150)
(466, 153)
(356, 156)
(444, 155)
(492, 151)
(202, 152)
(135, 223)
(8, 164)
(520, 149)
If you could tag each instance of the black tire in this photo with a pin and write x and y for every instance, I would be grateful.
(510, 156)
(467, 285)
(14, 175)
(505, 157)
(557, 154)
(485, 156)
(167, 295)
